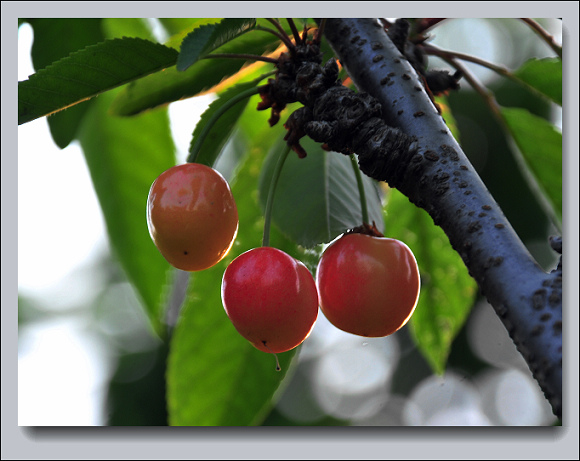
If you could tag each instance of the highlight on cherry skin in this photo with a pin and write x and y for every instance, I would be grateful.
(368, 286)
(192, 216)
(270, 298)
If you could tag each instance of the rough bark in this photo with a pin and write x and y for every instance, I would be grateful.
(435, 174)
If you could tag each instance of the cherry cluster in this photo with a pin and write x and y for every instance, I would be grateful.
(365, 284)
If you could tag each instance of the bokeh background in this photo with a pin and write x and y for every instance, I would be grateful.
(86, 356)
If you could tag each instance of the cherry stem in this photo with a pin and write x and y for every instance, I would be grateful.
(271, 193)
(197, 143)
(361, 189)
(500, 70)
(278, 367)
(282, 36)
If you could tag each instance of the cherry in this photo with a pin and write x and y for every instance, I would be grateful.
(270, 298)
(192, 216)
(368, 286)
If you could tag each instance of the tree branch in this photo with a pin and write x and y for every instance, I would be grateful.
(437, 176)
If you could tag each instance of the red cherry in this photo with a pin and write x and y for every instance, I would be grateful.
(368, 286)
(192, 216)
(271, 299)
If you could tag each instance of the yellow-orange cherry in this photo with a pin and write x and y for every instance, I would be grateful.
(192, 216)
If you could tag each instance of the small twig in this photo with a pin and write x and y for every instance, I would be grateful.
(549, 39)
(476, 85)
(320, 31)
(433, 50)
(500, 70)
(282, 34)
(283, 38)
(295, 32)
(305, 32)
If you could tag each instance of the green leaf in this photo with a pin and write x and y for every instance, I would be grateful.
(89, 72)
(171, 85)
(543, 75)
(179, 34)
(54, 39)
(215, 377)
(124, 157)
(317, 197)
(207, 38)
(218, 121)
(540, 144)
(447, 289)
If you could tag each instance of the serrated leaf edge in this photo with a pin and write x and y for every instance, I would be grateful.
(125, 40)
